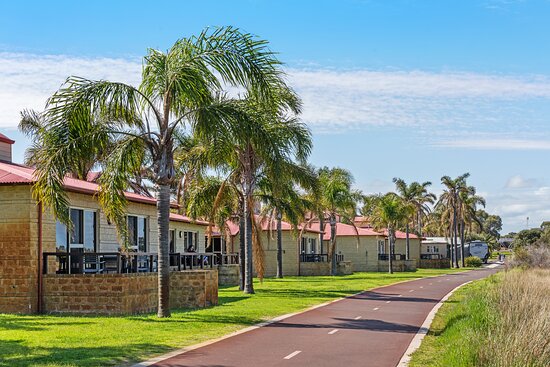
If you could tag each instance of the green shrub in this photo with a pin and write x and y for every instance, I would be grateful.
(473, 261)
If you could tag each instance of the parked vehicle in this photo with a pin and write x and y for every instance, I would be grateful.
(477, 248)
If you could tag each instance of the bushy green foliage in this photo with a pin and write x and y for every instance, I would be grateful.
(527, 237)
(473, 261)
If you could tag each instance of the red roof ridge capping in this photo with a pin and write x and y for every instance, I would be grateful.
(401, 234)
(185, 219)
(343, 229)
(5, 139)
(12, 173)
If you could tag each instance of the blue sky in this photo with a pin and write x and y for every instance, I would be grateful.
(413, 89)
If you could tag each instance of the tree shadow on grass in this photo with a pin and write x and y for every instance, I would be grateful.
(453, 320)
(35, 323)
(14, 353)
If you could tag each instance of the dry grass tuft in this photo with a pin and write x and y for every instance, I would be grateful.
(520, 334)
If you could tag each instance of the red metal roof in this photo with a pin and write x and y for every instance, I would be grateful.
(233, 227)
(11, 173)
(343, 229)
(401, 235)
(5, 139)
(182, 218)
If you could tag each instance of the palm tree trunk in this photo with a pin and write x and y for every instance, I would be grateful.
(321, 230)
(408, 245)
(333, 245)
(462, 242)
(390, 255)
(248, 273)
(455, 235)
(279, 246)
(163, 220)
(242, 250)
(451, 249)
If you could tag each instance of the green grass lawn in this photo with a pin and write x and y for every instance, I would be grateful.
(104, 341)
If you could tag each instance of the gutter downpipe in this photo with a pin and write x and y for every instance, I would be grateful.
(40, 260)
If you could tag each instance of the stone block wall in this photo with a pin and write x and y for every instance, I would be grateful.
(315, 268)
(344, 268)
(228, 274)
(126, 293)
(398, 265)
(434, 263)
(18, 250)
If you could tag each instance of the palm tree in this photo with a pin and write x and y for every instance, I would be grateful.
(334, 199)
(137, 126)
(450, 200)
(389, 212)
(281, 198)
(468, 202)
(415, 195)
(266, 141)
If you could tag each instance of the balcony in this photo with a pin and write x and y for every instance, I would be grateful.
(130, 262)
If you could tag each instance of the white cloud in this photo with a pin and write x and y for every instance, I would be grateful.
(518, 182)
(496, 144)
(333, 100)
(521, 198)
(26, 81)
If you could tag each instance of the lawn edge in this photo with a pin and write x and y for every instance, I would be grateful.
(187, 349)
(425, 327)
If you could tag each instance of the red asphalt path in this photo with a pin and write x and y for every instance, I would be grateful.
(373, 328)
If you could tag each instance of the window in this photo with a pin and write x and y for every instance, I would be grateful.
(312, 245)
(61, 240)
(137, 233)
(190, 241)
(303, 245)
(172, 241)
(83, 234)
(381, 246)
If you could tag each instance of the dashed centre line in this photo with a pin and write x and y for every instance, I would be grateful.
(376, 308)
(293, 354)
(400, 295)
(421, 287)
(333, 331)
(412, 290)
(388, 301)
(357, 318)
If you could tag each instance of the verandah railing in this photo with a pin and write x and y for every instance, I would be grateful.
(130, 262)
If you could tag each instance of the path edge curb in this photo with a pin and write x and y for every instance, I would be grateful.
(425, 327)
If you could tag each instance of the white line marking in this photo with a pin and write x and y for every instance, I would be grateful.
(357, 318)
(333, 331)
(412, 290)
(376, 308)
(400, 295)
(431, 283)
(293, 354)
(421, 287)
(388, 301)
